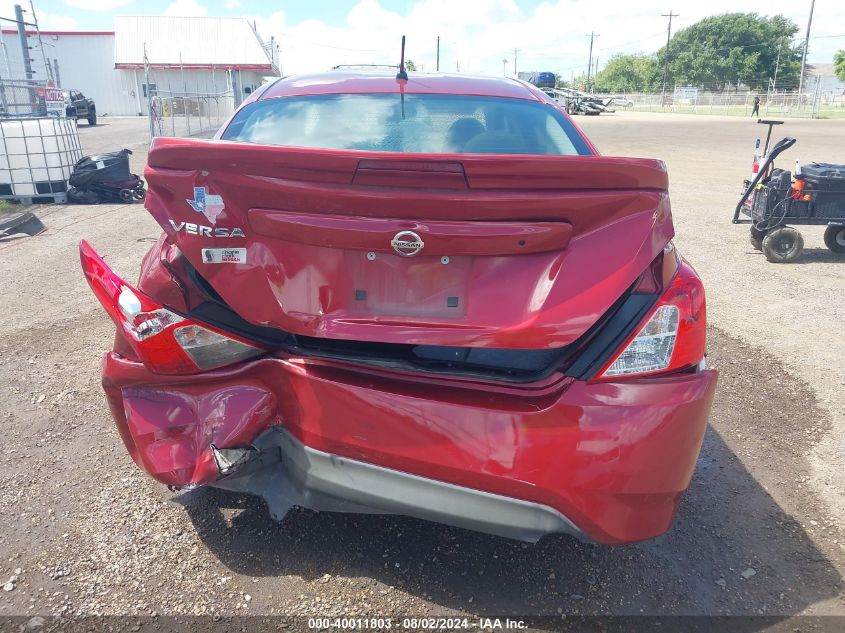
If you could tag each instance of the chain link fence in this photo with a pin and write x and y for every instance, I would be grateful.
(20, 98)
(182, 114)
(785, 104)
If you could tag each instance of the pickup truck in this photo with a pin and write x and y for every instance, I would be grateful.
(78, 106)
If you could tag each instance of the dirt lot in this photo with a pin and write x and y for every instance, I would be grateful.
(113, 133)
(760, 531)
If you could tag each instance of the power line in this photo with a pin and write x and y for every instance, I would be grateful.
(624, 44)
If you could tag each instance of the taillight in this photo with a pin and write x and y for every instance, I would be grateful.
(166, 342)
(672, 336)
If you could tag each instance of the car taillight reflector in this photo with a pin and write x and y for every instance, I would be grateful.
(672, 336)
(209, 349)
(166, 342)
(652, 347)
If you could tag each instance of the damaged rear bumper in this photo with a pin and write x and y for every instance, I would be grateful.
(607, 461)
(287, 473)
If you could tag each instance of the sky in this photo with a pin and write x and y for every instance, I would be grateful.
(476, 36)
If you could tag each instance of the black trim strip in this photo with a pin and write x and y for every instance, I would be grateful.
(611, 336)
(581, 359)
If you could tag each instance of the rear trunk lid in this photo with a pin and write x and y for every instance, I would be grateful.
(519, 252)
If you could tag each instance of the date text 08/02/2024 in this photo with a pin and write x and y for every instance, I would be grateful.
(424, 623)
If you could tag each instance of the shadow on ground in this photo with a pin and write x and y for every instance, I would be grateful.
(732, 550)
(820, 256)
(809, 256)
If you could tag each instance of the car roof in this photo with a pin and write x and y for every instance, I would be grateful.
(357, 82)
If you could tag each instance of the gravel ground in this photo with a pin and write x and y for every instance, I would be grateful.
(759, 533)
(795, 311)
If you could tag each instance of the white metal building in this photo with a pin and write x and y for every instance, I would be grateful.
(184, 55)
(84, 60)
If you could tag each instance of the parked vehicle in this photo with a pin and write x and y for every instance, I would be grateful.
(539, 79)
(577, 102)
(78, 106)
(545, 80)
(622, 102)
(429, 297)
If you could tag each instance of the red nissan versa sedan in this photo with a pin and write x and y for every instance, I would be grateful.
(429, 297)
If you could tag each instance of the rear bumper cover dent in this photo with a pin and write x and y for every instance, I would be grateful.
(292, 474)
(608, 460)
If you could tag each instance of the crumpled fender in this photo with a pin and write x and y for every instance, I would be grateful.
(169, 428)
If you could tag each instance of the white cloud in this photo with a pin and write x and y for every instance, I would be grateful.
(477, 34)
(57, 22)
(46, 21)
(98, 5)
(188, 8)
(232, 4)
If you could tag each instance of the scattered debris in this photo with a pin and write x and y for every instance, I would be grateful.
(21, 224)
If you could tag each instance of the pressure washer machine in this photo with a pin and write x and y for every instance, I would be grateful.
(775, 198)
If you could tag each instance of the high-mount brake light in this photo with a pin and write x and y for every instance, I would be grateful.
(672, 336)
(166, 342)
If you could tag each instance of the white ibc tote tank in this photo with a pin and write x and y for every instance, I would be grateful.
(37, 157)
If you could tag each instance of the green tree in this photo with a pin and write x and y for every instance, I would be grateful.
(839, 64)
(580, 82)
(628, 73)
(722, 49)
(410, 66)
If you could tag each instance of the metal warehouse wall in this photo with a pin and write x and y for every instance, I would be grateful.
(86, 63)
(173, 82)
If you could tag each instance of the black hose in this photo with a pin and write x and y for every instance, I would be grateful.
(781, 146)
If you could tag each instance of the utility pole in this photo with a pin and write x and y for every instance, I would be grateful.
(773, 83)
(505, 66)
(149, 93)
(592, 37)
(438, 53)
(804, 54)
(777, 67)
(47, 66)
(27, 62)
(669, 15)
(515, 52)
(4, 108)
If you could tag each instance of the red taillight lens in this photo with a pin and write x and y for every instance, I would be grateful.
(166, 342)
(671, 337)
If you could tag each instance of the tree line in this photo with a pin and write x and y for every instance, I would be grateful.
(720, 52)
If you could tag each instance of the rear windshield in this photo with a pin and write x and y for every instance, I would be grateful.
(413, 124)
